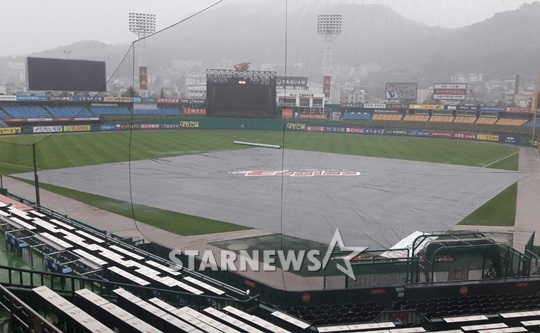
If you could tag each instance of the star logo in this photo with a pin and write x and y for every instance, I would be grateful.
(338, 240)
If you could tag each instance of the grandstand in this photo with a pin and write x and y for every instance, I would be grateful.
(70, 112)
(416, 117)
(94, 282)
(109, 111)
(487, 120)
(357, 116)
(442, 119)
(22, 112)
(511, 122)
(465, 119)
(388, 117)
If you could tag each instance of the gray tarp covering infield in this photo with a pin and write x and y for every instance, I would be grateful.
(388, 200)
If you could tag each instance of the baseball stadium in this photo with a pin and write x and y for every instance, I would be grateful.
(259, 208)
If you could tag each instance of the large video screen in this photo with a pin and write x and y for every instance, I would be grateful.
(46, 74)
(241, 100)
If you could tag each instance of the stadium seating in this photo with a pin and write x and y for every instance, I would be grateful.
(3, 114)
(416, 117)
(442, 119)
(24, 112)
(3, 124)
(356, 116)
(531, 122)
(156, 112)
(387, 117)
(65, 112)
(105, 111)
(465, 119)
(487, 120)
(511, 122)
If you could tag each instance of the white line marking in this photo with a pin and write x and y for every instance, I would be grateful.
(500, 159)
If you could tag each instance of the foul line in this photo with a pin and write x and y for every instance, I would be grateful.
(487, 165)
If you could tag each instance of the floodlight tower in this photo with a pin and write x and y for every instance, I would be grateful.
(329, 26)
(142, 25)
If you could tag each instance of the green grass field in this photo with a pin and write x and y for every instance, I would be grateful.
(71, 150)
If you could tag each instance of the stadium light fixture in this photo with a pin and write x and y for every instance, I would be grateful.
(142, 25)
(329, 26)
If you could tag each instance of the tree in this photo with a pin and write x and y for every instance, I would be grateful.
(130, 92)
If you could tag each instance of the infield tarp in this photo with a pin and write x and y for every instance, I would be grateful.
(387, 201)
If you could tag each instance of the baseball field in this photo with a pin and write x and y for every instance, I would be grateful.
(62, 152)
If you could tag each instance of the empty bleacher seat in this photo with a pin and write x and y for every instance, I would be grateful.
(416, 117)
(487, 120)
(70, 112)
(105, 111)
(356, 116)
(511, 122)
(25, 112)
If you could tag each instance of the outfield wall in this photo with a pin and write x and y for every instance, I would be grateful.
(271, 125)
(296, 125)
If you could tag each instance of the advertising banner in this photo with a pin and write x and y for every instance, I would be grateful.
(8, 98)
(143, 78)
(374, 106)
(401, 91)
(315, 129)
(352, 105)
(336, 129)
(327, 81)
(507, 139)
(354, 130)
(296, 126)
(62, 98)
(396, 132)
(107, 127)
(149, 126)
(493, 108)
(193, 101)
(170, 126)
(292, 81)
(426, 107)
(374, 131)
(418, 133)
(518, 109)
(467, 108)
(168, 100)
(194, 111)
(450, 91)
(312, 116)
(287, 114)
(189, 124)
(487, 137)
(47, 129)
(117, 99)
(441, 134)
(76, 128)
(32, 98)
(9, 130)
(88, 99)
(466, 136)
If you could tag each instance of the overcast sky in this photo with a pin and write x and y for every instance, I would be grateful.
(35, 25)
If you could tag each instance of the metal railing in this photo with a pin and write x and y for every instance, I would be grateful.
(23, 315)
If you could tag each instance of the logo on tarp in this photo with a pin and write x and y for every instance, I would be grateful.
(297, 173)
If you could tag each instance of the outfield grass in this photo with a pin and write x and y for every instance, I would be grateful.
(71, 150)
(178, 223)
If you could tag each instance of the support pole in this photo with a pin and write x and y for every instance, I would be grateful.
(36, 180)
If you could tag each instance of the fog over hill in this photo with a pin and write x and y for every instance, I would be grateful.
(502, 46)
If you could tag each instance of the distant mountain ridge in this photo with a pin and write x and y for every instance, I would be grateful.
(502, 46)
